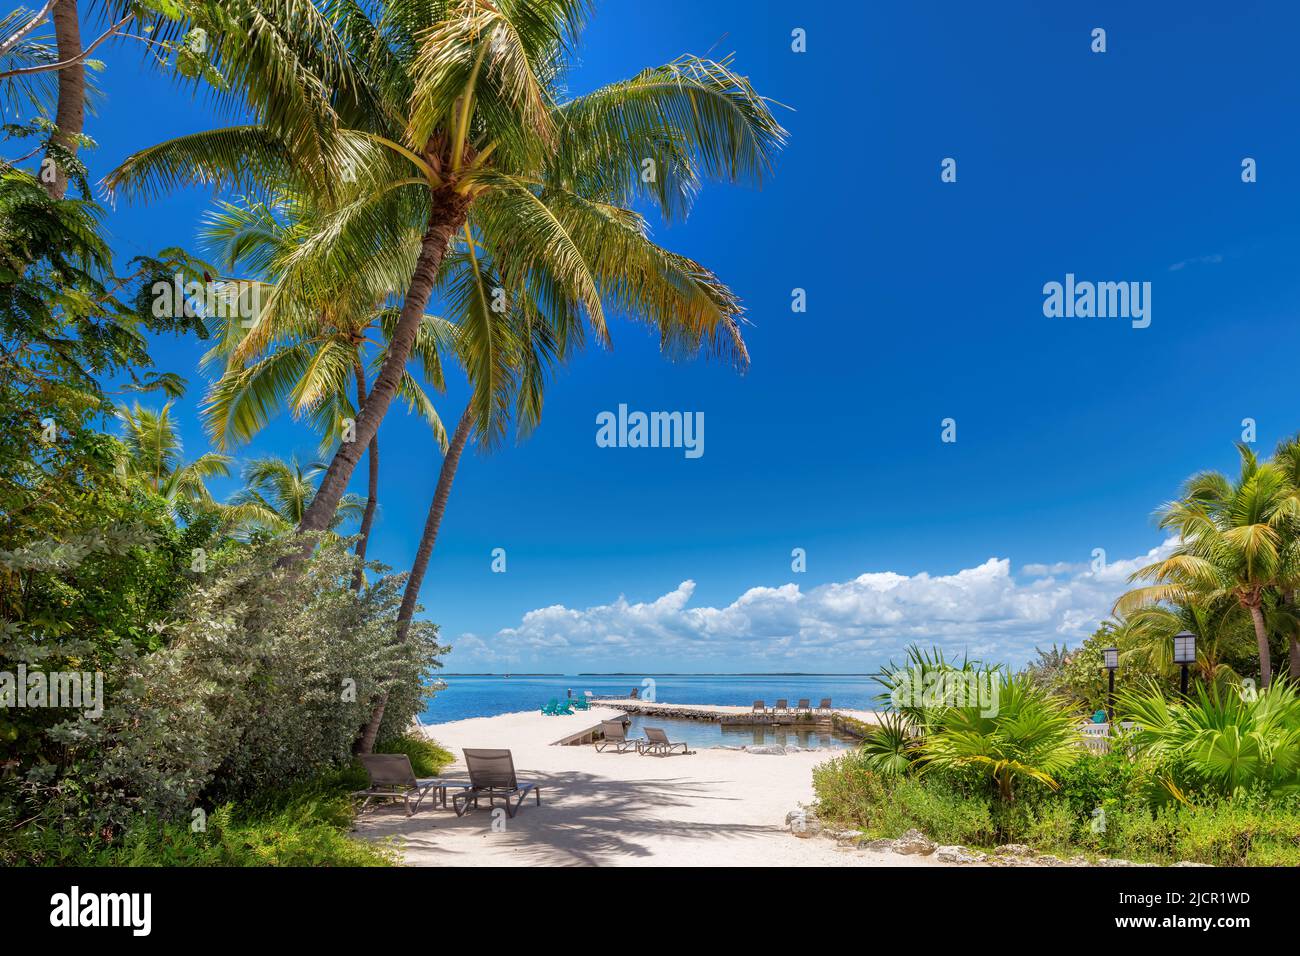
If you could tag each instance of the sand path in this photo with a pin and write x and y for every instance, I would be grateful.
(713, 807)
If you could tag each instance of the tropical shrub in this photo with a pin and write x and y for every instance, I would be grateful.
(848, 791)
(1026, 737)
(265, 681)
(1221, 742)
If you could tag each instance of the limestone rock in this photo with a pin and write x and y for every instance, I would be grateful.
(803, 823)
(914, 842)
(958, 854)
(879, 846)
(1013, 849)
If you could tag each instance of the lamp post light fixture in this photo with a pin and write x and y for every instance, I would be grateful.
(1110, 656)
(1184, 654)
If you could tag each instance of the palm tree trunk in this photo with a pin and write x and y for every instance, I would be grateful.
(1261, 636)
(372, 491)
(70, 114)
(437, 508)
(446, 216)
(1293, 667)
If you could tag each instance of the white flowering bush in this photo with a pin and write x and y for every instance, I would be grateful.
(266, 678)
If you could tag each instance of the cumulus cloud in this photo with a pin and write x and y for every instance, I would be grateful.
(986, 611)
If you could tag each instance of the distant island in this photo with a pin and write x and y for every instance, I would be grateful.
(638, 674)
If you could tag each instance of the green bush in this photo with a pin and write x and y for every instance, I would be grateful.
(849, 792)
(427, 758)
(304, 824)
(267, 679)
(1223, 741)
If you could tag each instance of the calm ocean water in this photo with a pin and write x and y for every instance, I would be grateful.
(488, 696)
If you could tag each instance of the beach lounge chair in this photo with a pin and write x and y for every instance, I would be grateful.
(657, 743)
(805, 706)
(760, 708)
(392, 777)
(782, 706)
(492, 775)
(825, 705)
(616, 738)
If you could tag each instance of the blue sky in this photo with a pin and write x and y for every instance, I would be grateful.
(924, 302)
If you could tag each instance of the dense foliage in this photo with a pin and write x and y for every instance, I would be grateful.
(227, 683)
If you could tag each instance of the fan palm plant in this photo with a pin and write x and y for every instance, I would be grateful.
(431, 120)
(1029, 736)
(153, 454)
(1222, 741)
(892, 747)
(918, 690)
(1236, 541)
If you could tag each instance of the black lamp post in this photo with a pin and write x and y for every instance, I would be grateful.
(1111, 658)
(1184, 653)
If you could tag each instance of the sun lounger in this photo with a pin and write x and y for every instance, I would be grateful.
(492, 775)
(825, 705)
(759, 707)
(657, 743)
(782, 706)
(616, 738)
(805, 706)
(392, 777)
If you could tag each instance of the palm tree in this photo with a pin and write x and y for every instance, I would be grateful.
(1222, 741)
(308, 354)
(1029, 735)
(1287, 457)
(153, 454)
(409, 124)
(1146, 637)
(277, 493)
(1236, 542)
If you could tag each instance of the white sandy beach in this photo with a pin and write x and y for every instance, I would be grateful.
(709, 808)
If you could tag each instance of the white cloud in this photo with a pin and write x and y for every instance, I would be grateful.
(1211, 260)
(840, 626)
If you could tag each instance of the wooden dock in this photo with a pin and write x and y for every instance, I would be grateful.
(745, 716)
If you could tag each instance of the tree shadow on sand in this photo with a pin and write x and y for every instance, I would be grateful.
(583, 820)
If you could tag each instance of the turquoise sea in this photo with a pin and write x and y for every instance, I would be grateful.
(487, 696)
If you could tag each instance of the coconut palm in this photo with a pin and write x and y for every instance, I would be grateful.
(153, 454)
(312, 357)
(433, 120)
(277, 493)
(1236, 541)
(1287, 457)
(1146, 637)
